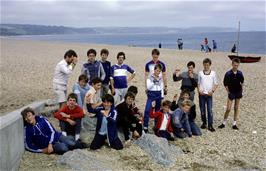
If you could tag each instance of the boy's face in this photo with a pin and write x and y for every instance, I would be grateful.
(157, 72)
(155, 57)
(82, 83)
(185, 108)
(235, 65)
(69, 60)
(30, 118)
(104, 56)
(206, 66)
(107, 105)
(186, 96)
(97, 86)
(129, 100)
(71, 102)
(91, 57)
(166, 109)
(190, 68)
(120, 59)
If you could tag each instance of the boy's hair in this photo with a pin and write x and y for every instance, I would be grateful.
(186, 103)
(105, 51)
(166, 103)
(133, 89)
(121, 54)
(91, 51)
(83, 77)
(25, 111)
(155, 52)
(207, 60)
(108, 98)
(130, 94)
(70, 53)
(158, 66)
(191, 63)
(236, 60)
(72, 96)
(96, 81)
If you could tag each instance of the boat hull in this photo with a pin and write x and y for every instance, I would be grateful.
(245, 59)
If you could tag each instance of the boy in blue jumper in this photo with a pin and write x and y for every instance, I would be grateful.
(41, 137)
(106, 125)
(155, 92)
(107, 69)
(180, 120)
(81, 88)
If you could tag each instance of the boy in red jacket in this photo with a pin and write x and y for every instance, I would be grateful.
(70, 116)
(163, 125)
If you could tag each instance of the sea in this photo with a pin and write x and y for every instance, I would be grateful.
(250, 42)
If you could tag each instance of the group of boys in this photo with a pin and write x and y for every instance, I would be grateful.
(102, 92)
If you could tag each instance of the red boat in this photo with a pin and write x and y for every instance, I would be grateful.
(245, 59)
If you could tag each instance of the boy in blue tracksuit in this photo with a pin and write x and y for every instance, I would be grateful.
(155, 92)
(180, 122)
(106, 125)
(41, 137)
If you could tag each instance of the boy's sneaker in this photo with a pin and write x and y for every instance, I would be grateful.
(203, 126)
(145, 130)
(221, 126)
(235, 127)
(210, 128)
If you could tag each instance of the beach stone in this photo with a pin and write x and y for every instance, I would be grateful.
(159, 149)
(79, 160)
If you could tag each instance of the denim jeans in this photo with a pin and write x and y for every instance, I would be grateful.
(69, 129)
(203, 101)
(194, 128)
(152, 96)
(64, 144)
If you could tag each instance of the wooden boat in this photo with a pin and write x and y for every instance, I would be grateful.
(245, 59)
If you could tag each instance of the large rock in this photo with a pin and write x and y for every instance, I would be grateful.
(159, 149)
(79, 160)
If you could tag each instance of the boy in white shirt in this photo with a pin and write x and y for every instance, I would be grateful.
(207, 84)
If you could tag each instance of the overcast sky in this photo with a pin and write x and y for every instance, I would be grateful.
(136, 13)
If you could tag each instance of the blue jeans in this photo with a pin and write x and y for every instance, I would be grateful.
(194, 128)
(64, 144)
(69, 129)
(152, 96)
(203, 101)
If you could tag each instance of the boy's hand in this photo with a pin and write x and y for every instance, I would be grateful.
(71, 122)
(88, 98)
(201, 93)
(210, 93)
(190, 74)
(182, 129)
(50, 148)
(45, 150)
(65, 115)
(113, 91)
(135, 135)
(175, 97)
(104, 113)
(153, 104)
(75, 60)
(177, 71)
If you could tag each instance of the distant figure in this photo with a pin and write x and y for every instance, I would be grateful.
(202, 48)
(180, 44)
(214, 46)
(206, 45)
(233, 50)
(160, 45)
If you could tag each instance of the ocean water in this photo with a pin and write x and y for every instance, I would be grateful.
(250, 42)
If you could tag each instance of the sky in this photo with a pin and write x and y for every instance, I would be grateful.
(132, 13)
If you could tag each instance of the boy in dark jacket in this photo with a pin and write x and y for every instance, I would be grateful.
(106, 125)
(41, 137)
(163, 126)
(129, 117)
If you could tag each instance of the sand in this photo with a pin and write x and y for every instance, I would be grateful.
(27, 69)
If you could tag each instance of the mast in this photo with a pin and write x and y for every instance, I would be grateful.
(238, 35)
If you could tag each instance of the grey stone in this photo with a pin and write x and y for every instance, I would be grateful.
(79, 160)
(159, 149)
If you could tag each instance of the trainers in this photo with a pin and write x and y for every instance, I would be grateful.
(145, 130)
(235, 127)
(203, 126)
(221, 126)
(210, 128)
